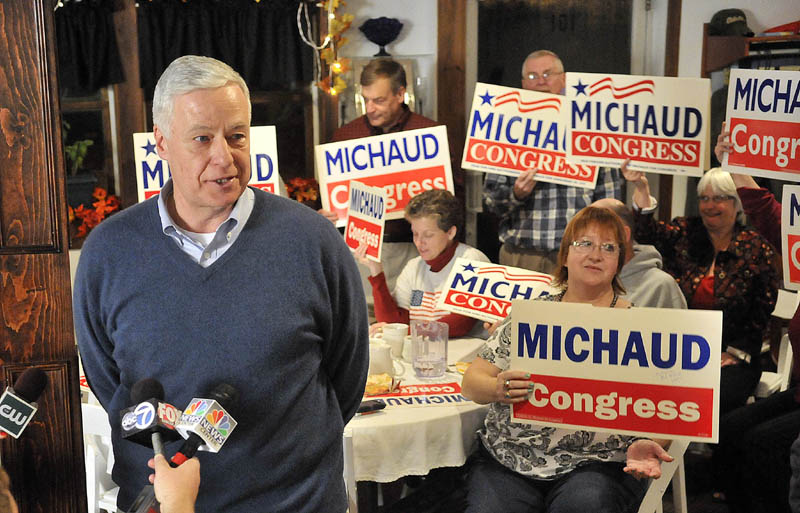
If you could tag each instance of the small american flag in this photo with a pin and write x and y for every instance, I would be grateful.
(416, 297)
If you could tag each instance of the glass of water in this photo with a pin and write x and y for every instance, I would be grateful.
(429, 348)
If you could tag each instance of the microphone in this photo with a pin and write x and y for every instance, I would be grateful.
(206, 423)
(18, 403)
(150, 422)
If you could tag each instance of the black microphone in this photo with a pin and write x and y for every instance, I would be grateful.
(149, 422)
(18, 403)
(206, 423)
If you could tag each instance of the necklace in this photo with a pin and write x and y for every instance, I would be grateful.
(612, 305)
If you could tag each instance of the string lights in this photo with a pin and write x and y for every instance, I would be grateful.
(327, 51)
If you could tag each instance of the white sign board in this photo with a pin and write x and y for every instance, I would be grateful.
(790, 236)
(366, 219)
(660, 123)
(152, 172)
(484, 290)
(404, 164)
(512, 130)
(645, 371)
(764, 121)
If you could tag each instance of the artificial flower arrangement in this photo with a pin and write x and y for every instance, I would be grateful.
(82, 219)
(304, 190)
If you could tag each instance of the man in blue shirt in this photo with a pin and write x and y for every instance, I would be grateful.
(214, 282)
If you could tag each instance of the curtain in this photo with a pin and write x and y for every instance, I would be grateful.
(259, 39)
(88, 57)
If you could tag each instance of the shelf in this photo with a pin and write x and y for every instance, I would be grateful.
(722, 51)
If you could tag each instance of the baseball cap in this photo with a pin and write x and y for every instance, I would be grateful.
(729, 22)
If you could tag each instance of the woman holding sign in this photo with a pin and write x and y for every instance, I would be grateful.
(719, 265)
(524, 467)
(435, 217)
(759, 435)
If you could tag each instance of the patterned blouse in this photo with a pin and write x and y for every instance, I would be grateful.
(541, 452)
(746, 275)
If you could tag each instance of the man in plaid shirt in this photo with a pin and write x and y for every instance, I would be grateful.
(533, 215)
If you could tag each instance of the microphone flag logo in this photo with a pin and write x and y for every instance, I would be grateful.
(15, 414)
(208, 420)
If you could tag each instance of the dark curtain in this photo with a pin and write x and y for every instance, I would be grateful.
(88, 57)
(257, 39)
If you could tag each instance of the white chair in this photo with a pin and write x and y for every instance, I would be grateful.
(101, 491)
(772, 382)
(778, 381)
(672, 471)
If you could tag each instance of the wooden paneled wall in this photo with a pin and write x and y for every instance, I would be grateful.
(46, 462)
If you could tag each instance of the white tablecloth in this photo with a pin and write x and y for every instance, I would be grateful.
(398, 442)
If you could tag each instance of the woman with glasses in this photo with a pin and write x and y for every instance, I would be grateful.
(760, 435)
(529, 468)
(719, 265)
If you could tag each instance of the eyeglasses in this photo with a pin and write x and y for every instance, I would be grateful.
(717, 198)
(585, 246)
(546, 75)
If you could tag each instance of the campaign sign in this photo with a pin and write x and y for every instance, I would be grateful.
(152, 172)
(403, 164)
(424, 394)
(484, 290)
(512, 130)
(790, 236)
(660, 123)
(643, 371)
(365, 219)
(764, 121)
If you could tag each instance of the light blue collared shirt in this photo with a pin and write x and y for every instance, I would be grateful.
(202, 252)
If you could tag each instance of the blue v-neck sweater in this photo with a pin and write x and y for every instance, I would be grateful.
(281, 316)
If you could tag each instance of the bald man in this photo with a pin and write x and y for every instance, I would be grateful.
(533, 214)
(646, 284)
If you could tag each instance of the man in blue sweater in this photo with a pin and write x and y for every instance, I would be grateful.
(212, 281)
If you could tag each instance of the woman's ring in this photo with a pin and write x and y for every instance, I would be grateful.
(508, 395)
(506, 384)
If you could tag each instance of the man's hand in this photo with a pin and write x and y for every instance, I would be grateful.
(644, 459)
(723, 145)
(330, 216)
(524, 184)
(176, 488)
(641, 192)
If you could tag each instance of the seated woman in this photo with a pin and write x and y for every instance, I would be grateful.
(759, 435)
(529, 468)
(719, 265)
(435, 217)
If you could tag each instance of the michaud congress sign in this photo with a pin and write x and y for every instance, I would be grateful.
(790, 236)
(764, 121)
(403, 164)
(365, 219)
(646, 371)
(484, 290)
(152, 172)
(660, 123)
(512, 130)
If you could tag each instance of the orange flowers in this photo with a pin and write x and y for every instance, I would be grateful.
(302, 189)
(91, 217)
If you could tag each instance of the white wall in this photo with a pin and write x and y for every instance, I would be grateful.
(417, 39)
